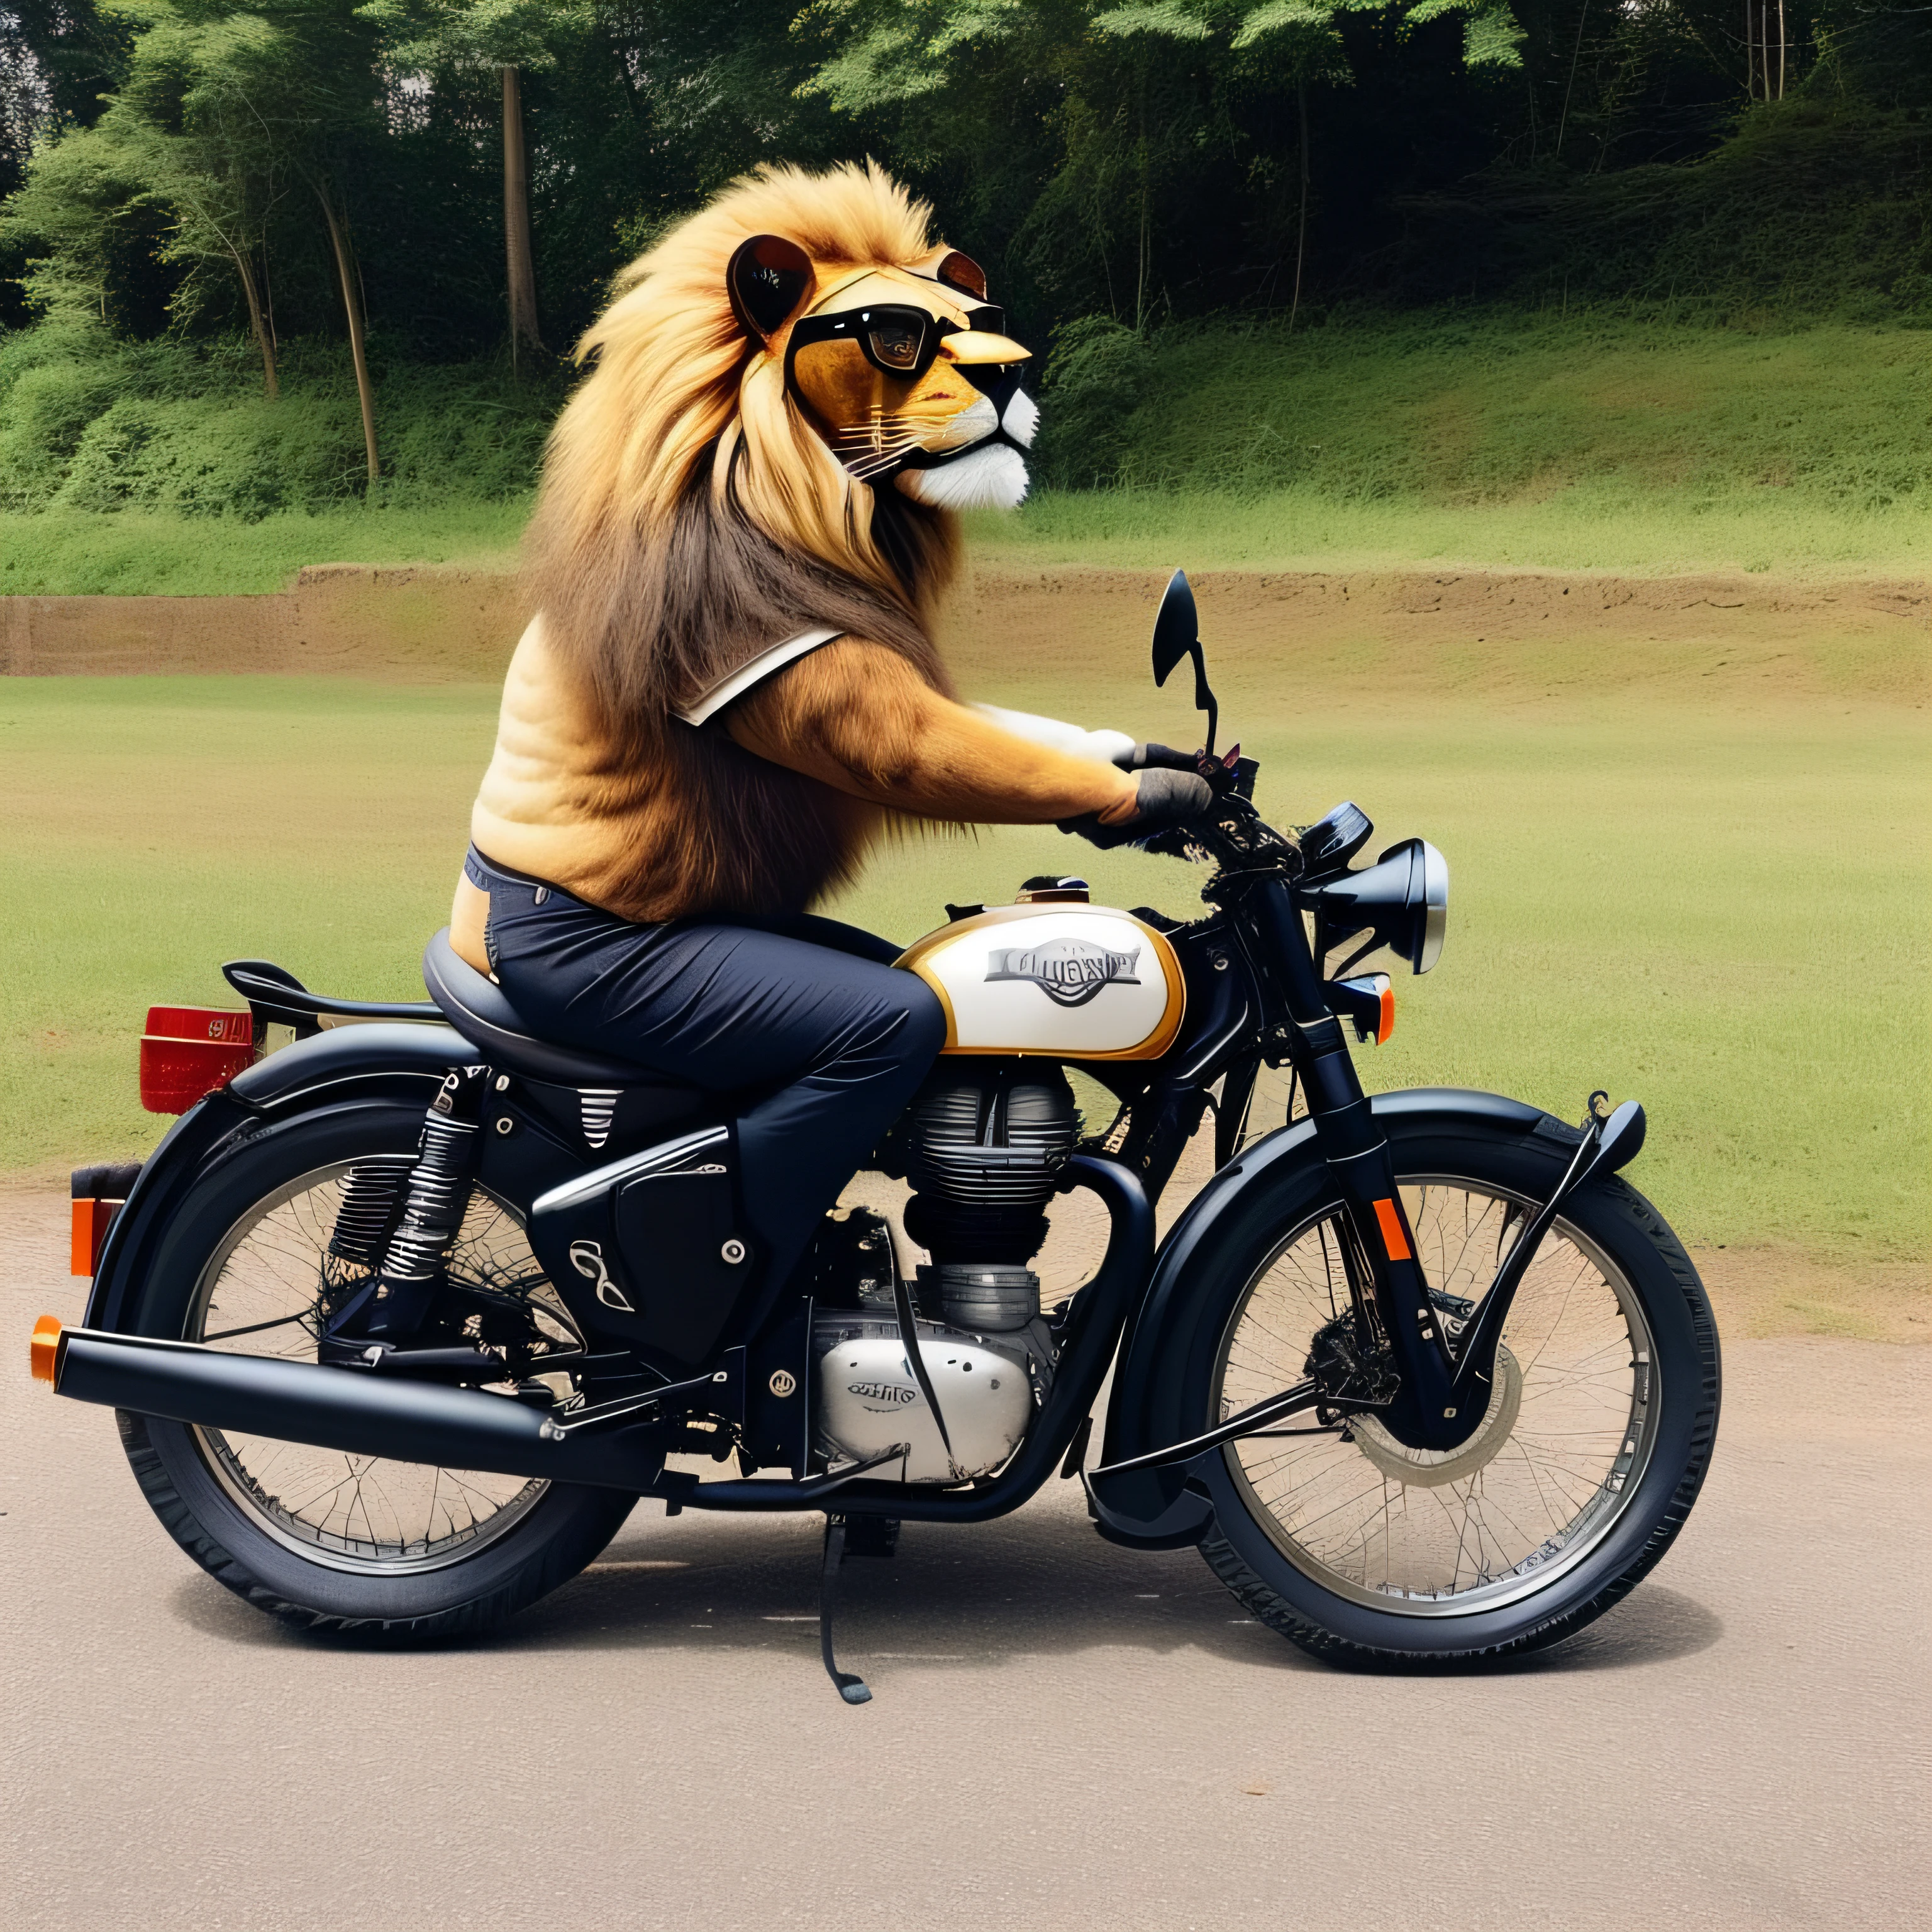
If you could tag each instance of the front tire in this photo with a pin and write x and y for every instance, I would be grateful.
(1358, 1549)
(391, 1550)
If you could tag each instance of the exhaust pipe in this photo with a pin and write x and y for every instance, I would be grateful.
(336, 1408)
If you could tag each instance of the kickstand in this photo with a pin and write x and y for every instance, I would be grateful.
(854, 1689)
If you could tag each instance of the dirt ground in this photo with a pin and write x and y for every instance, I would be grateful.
(1525, 634)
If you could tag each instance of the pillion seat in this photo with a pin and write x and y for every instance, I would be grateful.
(480, 1010)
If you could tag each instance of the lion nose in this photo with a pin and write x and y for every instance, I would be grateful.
(982, 345)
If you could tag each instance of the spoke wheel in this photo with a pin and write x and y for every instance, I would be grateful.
(397, 1552)
(267, 1290)
(1568, 1435)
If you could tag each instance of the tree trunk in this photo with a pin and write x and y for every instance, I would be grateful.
(353, 311)
(1140, 255)
(1783, 42)
(1563, 120)
(1301, 220)
(522, 277)
(258, 323)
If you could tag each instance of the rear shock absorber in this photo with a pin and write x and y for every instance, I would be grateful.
(393, 1303)
(371, 1198)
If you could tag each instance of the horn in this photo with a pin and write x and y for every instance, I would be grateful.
(767, 279)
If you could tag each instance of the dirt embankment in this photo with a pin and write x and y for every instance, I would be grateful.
(1483, 635)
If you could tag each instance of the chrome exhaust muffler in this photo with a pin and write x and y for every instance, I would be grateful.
(338, 1408)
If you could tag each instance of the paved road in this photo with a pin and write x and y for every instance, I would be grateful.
(1065, 1736)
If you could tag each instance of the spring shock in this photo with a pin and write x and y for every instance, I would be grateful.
(393, 1303)
(371, 1197)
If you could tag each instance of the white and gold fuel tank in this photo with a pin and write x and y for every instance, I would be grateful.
(1053, 975)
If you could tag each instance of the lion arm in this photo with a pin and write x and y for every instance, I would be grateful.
(858, 718)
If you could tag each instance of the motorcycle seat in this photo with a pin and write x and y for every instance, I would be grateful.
(482, 1012)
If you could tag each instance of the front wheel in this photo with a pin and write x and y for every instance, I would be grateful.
(1592, 1449)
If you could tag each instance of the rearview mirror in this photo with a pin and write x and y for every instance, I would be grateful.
(1176, 634)
(1177, 626)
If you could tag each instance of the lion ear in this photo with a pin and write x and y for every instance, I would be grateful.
(961, 272)
(768, 278)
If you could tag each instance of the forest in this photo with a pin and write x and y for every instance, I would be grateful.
(306, 254)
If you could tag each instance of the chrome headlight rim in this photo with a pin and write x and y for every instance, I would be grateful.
(1435, 906)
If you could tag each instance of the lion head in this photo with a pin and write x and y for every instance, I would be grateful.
(788, 398)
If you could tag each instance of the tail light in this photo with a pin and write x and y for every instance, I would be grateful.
(187, 1051)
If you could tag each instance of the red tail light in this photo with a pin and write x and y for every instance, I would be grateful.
(187, 1051)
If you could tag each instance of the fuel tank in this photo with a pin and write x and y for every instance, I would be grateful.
(1054, 975)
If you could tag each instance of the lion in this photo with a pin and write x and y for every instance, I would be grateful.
(747, 517)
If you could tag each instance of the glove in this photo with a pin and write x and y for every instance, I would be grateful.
(1162, 798)
(1165, 757)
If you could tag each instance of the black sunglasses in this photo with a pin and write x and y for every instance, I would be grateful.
(897, 338)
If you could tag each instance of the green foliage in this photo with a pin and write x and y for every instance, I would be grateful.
(484, 34)
(89, 424)
(1819, 206)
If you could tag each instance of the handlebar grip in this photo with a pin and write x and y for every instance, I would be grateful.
(1163, 757)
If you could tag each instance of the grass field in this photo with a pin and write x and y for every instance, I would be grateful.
(1723, 910)
(1478, 441)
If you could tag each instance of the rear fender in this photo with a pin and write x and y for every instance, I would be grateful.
(379, 1061)
(1135, 1414)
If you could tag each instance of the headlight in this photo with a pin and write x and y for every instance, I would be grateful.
(1401, 902)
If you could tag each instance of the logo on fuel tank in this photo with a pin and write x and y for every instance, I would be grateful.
(1070, 972)
(894, 1395)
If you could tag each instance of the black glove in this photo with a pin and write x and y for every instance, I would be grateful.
(1162, 798)
(1162, 757)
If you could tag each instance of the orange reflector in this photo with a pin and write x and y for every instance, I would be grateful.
(1395, 1236)
(91, 1221)
(46, 1353)
(1385, 1025)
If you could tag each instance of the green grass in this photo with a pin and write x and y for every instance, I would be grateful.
(1585, 527)
(76, 553)
(1434, 440)
(1722, 908)
(1523, 441)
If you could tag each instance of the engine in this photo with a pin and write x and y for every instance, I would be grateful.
(984, 1157)
(983, 1150)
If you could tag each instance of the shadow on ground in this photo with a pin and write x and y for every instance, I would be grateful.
(1038, 1585)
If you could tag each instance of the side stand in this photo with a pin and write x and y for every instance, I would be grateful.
(853, 1688)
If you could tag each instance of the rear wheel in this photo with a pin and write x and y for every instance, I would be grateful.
(319, 1538)
(1591, 1451)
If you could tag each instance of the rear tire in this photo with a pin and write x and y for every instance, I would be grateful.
(216, 1503)
(1304, 1559)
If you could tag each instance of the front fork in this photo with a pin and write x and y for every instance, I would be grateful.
(1391, 1291)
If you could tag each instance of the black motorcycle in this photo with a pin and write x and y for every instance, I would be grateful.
(402, 1318)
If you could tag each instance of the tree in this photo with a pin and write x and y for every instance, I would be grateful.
(1163, 111)
(509, 37)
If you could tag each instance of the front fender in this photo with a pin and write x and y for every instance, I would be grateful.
(1149, 1354)
(347, 1062)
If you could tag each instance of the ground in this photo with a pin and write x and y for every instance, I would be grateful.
(1063, 1734)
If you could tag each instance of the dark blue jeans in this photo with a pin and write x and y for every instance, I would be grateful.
(803, 1022)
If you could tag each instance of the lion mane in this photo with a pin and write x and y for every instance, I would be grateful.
(689, 515)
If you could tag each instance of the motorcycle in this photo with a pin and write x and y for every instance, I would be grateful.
(402, 1317)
